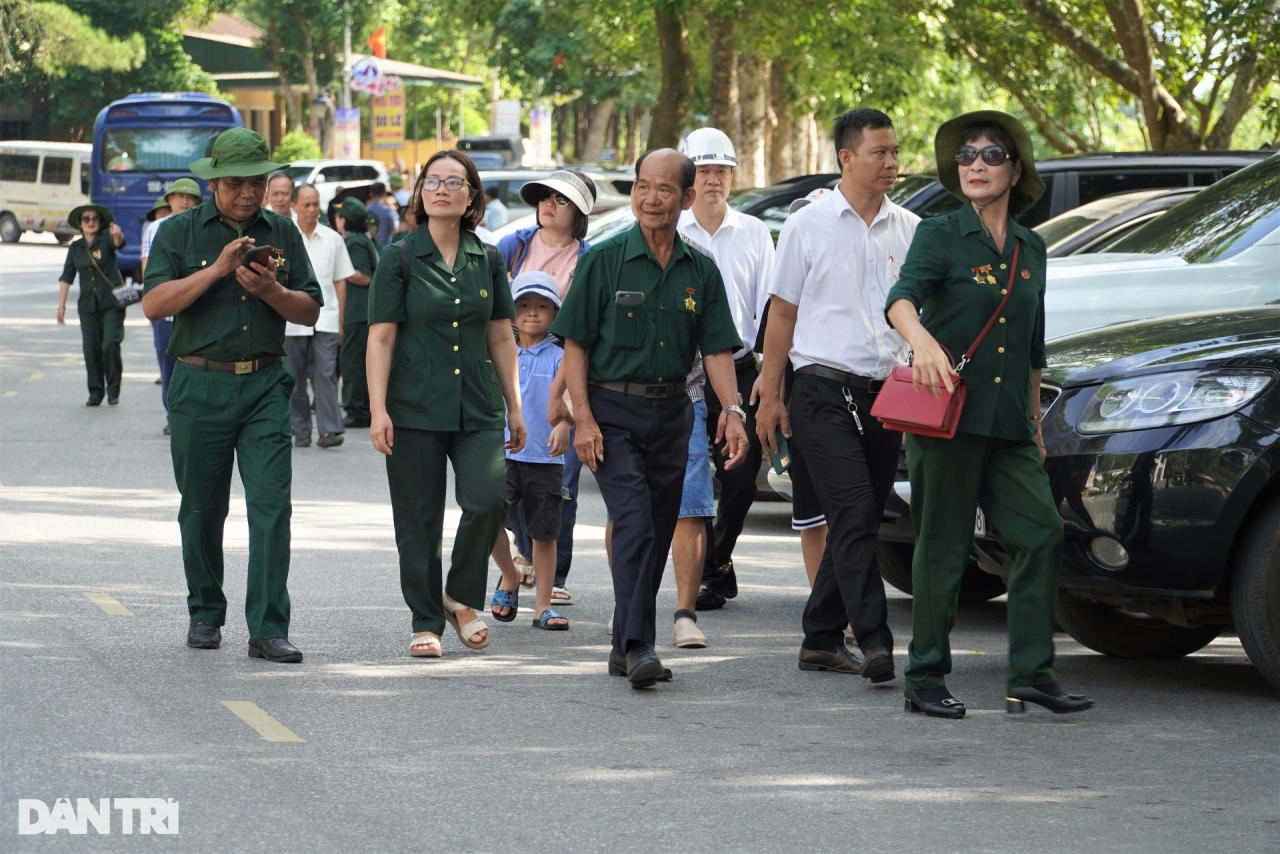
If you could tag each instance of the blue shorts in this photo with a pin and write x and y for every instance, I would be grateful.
(698, 498)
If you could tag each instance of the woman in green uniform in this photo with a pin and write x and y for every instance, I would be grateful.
(953, 280)
(441, 363)
(93, 257)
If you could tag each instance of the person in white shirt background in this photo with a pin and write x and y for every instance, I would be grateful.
(837, 259)
(743, 251)
(280, 195)
(313, 352)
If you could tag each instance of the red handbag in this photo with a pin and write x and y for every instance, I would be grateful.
(901, 406)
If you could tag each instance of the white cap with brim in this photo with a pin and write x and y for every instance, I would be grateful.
(813, 196)
(535, 283)
(566, 184)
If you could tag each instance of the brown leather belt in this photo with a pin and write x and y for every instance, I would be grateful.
(245, 367)
(652, 391)
(843, 377)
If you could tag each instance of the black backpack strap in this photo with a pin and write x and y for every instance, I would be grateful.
(406, 260)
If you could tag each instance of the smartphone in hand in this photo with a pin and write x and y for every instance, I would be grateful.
(264, 255)
(781, 459)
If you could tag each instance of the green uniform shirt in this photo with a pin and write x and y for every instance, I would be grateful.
(95, 291)
(227, 323)
(364, 257)
(442, 376)
(955, 276)
(653, 338)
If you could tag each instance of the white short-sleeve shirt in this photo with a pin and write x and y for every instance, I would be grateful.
(837, 271)
(743, 251)
(331, 263)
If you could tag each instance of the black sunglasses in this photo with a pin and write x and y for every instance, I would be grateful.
(992, 155)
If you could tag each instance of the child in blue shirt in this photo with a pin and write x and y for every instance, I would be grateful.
(534, 474)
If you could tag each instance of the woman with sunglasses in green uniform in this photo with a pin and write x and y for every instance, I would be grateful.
(956, 276)
(93, 258)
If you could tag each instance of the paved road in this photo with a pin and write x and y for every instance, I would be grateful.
(528, 745)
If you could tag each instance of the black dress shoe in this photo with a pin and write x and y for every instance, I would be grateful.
(94, 400)
(1049, 695)
(354, 421)
(708, 600)
(329, 440)
(275, 649)
(835, 660)
(113, 401)
(302, 441)
(934, 702)
(618, 667)
(202, 636)
(723, 580)
(877, 665)
(643, 666)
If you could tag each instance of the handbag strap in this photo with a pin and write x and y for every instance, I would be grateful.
(104, 275)
(991, 321)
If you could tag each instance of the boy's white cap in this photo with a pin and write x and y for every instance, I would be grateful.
(813, 196)
(535, 283)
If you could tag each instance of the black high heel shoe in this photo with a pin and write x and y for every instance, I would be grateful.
(1049, 695)
(934, 702)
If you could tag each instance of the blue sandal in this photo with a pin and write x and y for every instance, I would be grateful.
(509, 599)
(543, 621)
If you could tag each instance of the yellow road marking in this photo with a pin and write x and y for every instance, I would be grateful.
(110, 606)
(268, 727)
(10, 394)
(36, 375)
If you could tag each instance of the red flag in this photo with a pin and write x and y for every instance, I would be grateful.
(557, 61)
(378, 42)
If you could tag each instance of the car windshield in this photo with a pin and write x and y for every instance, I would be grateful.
(298, 174)
(155, 149)
(1218, 222)
(1064, 225)
(908, 186)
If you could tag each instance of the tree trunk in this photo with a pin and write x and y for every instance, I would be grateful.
(633, 134)
(724, 75)
(753, 82)
(560, 118)
(598, 118)
(783, 137)
(614, 134)
(677, 76)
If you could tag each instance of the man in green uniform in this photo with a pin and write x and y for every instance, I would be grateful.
(351, 218)
(641, 305)
(229, 397)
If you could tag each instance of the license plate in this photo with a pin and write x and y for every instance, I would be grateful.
(980, 524)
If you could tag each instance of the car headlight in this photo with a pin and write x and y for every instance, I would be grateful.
(1164, 400)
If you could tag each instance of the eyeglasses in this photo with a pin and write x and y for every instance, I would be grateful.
(90, 218)
(453, 184)
(992, 155)
(560, 201)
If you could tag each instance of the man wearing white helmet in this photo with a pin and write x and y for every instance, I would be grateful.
(743, 251)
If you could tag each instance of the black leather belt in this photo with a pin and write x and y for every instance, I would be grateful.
(843, 377)
(747, 361)
(248, 366)
(653, 391)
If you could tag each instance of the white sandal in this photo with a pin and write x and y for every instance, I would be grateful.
(561, 596)
(466, 630)
(428, 645)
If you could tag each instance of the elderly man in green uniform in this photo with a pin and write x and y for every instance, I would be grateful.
(229, 398)
(641, 306)
(351, 218)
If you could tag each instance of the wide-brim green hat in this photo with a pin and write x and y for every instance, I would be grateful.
(186, 186)
(353, 211)
(236, 153)
(948, 139)
(161, 202)
(73, 218)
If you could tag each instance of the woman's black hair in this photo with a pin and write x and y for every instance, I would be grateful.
(1018, 200)
(474, 214)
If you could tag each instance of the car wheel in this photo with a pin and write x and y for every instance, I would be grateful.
(10, 231)
(1128, 634)
(1255, 593)
(64, 238)
(895, 568)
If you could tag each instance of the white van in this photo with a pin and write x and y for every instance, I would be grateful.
(40, 182)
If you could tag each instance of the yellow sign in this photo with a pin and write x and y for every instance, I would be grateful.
(388, 119)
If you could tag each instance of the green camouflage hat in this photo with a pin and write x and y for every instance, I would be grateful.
(395, 181)
(237, 153)
(948, 140)
(74, 217)
(353, 211)
(161, 202)
(186, 186)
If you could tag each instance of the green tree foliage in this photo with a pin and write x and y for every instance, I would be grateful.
(296, 145)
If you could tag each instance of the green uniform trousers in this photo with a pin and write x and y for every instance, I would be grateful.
(355, 386)
(950, 478)
(416, 475)
(101, 333)
(217, 417)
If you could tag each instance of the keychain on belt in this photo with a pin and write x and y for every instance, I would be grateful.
(853, 408)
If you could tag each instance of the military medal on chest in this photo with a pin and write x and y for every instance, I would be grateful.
(982, 275)
(97, 254)
(689, 304)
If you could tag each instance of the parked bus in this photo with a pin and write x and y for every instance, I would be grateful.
(40, 182)
(141, 145)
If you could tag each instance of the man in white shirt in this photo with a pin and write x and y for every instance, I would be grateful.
(317, 349)
(280, 196)
(837, 259)
(743, 252)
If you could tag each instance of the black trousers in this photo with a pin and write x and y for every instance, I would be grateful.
(646, 443)
(738, 484)
(852, 473)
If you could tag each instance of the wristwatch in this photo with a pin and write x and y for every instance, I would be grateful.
(738, 411)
